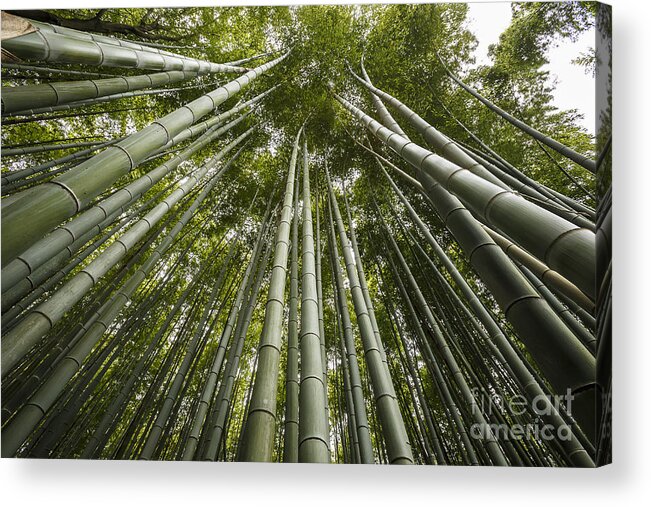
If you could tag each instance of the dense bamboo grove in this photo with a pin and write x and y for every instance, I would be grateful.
(310, 234)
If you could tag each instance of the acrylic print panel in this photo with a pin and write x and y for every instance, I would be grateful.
(332, 234)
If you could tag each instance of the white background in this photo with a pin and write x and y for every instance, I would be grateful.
(66, 482)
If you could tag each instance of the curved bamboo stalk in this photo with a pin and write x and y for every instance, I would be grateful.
(567, 152)
(561, 245)
(383, 113)
(450, 151)
(515, 172)
(47, 205)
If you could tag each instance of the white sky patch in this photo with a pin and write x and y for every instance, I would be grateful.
(574, 88)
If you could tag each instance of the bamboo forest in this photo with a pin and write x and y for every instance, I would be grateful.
(318, 233)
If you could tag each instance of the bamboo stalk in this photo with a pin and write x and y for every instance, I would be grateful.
(50, 245)
(450, 151)
(314, 440)
(27, 418)
(394, 432)
(567, 152)
(561, 245)
(50, 43)
(38, 322)
(47, 205)
(292, 386)
(257, 441)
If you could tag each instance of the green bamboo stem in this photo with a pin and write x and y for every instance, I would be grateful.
(567, 152)
(383, 113)
(350, 404)
(51, 141)
(94, 446)
(577, 213)
(49, 70)
(319, 292)
(587, 338)
(47, 205)
(46, 248)
(13, 188)
(290, 437)
(548, 276)
(211, 382)
(239, 320)
(493, 448)
(394, 432)
(48, 147)
(363, 436)
(494, 272)
(50, 43)
(512, 170)
(561, 245)
(63, 116)
(249, 59)
(28, 417)
(105, 98)
(450, 151)
(14, 176)
(225, 395)
(314, 440)
(38, 322)
(257, 442)
(32, 99)
(49, 274)
(26, 285)
(181, 374)
(364, 286)
(563, 207)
